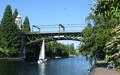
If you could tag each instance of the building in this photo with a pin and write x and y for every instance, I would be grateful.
(18, 21)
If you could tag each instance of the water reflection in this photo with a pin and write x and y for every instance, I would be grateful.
(41, 68)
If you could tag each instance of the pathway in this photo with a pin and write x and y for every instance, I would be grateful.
(102, 70)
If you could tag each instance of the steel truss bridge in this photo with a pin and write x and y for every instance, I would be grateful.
(32, 41)
(62, 32)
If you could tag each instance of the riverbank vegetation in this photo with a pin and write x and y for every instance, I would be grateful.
(101, 36)
(59, 50)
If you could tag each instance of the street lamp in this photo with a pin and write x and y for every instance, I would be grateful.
(35, 27)
(60, 25)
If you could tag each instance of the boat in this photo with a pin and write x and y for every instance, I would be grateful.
(41, 58)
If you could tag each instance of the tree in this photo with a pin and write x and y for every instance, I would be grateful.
(113, 46)
(106, 8)
(26, 25)
(10, 34)
(7, 17)
(57, 49)
(104, 18)
(87, 44)
(6, 21)
(15, 14)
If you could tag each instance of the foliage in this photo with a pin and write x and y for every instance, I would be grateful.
(104, 18)
(9, 33)
(107, 8)
(113, 46)
(26, 25)
(86, 42)
(105, 36)
(60, 50)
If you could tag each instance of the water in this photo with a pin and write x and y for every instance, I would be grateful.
(66, 66)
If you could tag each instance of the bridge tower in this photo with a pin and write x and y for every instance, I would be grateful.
(18, 21)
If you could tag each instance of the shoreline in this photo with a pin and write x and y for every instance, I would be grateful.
(12, 58)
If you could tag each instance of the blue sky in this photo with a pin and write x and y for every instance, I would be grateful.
(49, 12)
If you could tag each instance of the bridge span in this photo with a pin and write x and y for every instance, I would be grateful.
(32, 41)
(33, 37)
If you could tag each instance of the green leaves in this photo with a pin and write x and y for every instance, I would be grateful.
(107, 8)
(54, 49)
(113, 46)
(104, 17)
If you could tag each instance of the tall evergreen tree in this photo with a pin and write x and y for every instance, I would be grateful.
(15, 14)
(6, 21)
(10, 35)
(7, 17)
(26, 25)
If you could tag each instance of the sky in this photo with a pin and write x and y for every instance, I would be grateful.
(50, 12)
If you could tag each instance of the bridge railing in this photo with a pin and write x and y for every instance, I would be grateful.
(58, 28)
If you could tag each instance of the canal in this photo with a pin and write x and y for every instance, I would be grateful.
(66, 66)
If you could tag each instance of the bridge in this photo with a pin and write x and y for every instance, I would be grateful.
(33, 37)
(36, 37)
(61, 34)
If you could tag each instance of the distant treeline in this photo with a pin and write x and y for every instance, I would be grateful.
(55, 49)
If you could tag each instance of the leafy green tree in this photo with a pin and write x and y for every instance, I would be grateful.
(113, 46)
(15, 14)
(10, 35)
(86, 41)
(106, 8)
(54, 49)
(104, 17)
(26, 25)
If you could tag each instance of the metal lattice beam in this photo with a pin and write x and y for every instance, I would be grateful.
(32, 37)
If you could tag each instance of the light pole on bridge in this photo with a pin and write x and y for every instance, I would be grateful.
(35, 27)
(60, 25)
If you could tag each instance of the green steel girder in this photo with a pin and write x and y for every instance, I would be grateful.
(33, 37)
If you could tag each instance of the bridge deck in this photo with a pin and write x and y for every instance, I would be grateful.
(32, 37)
(54, 33)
